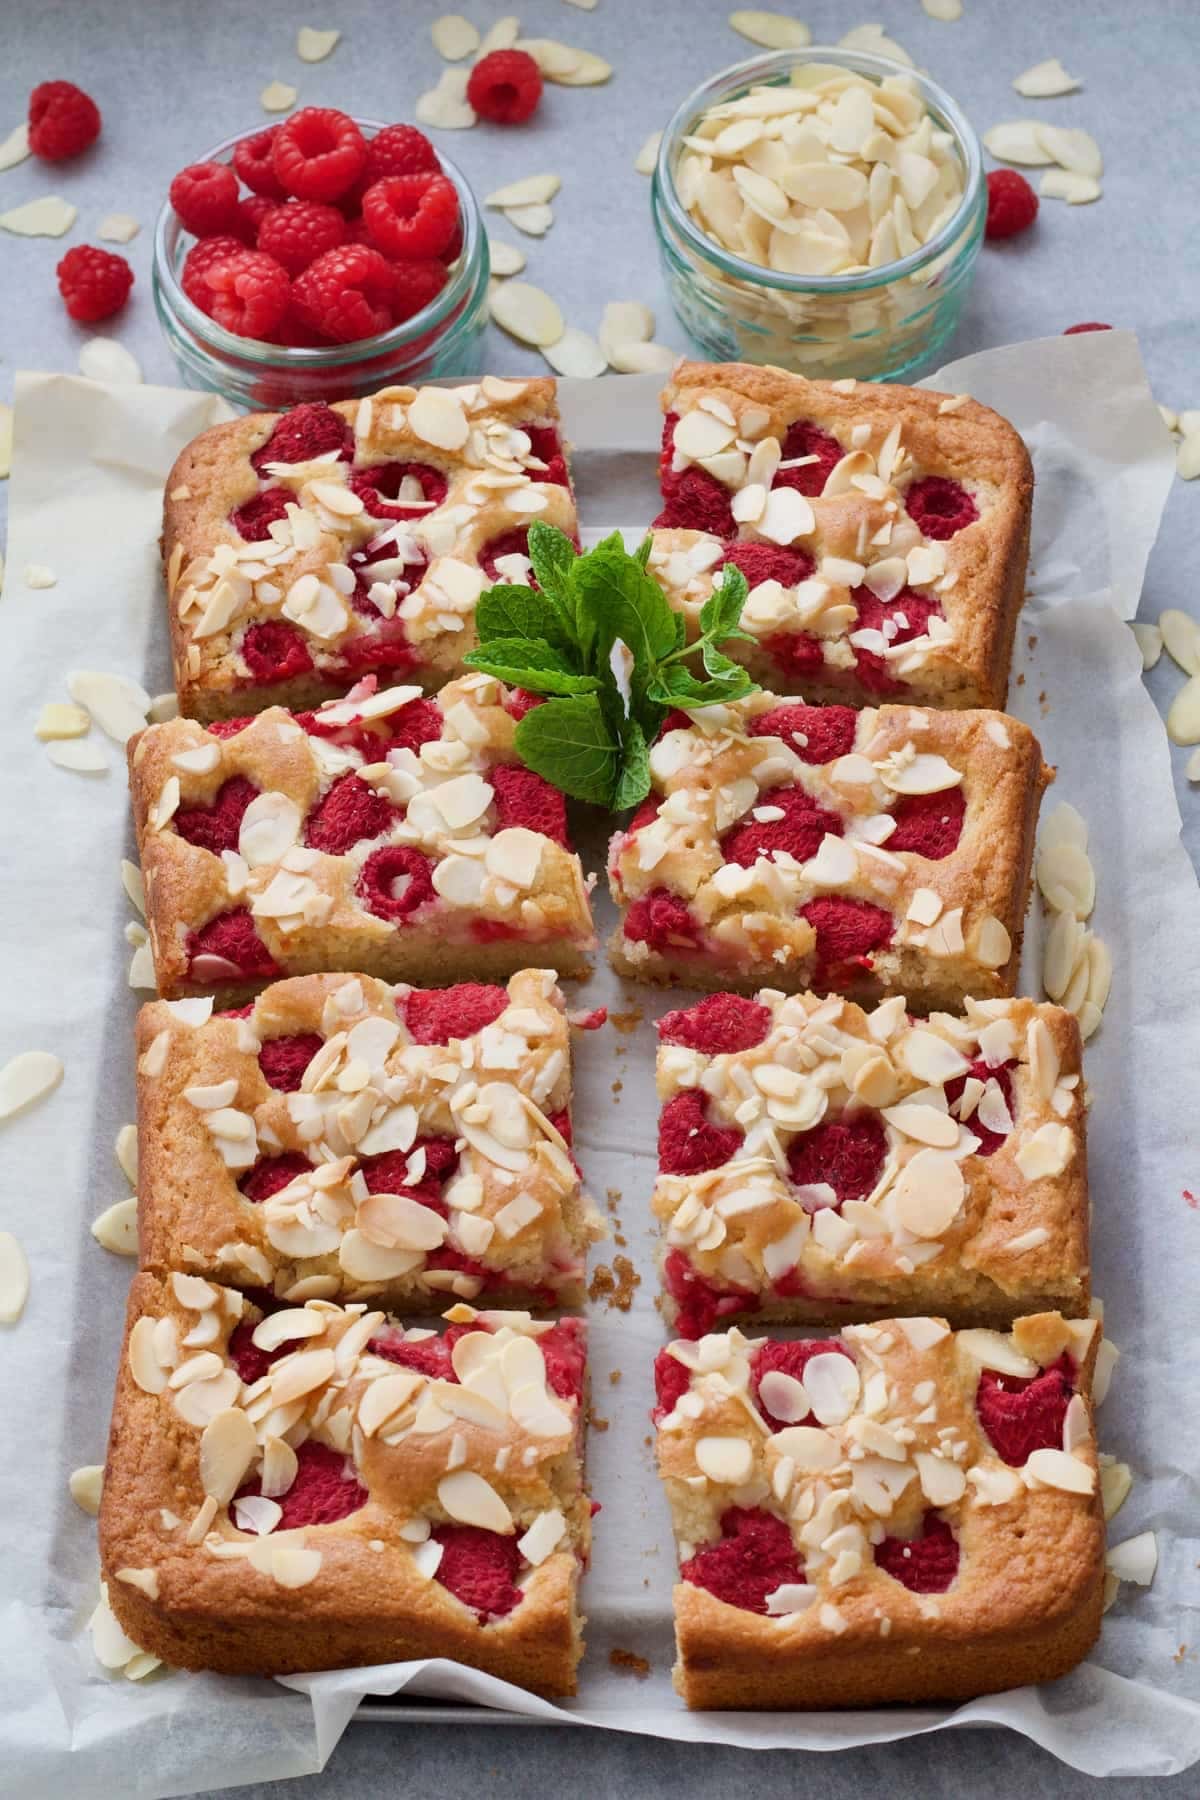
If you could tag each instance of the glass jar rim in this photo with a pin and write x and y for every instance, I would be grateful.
(254, 352)
(759, 69)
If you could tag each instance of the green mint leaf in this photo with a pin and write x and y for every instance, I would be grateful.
(642, 554)
(722, 610)
(634, 782)
(677, 686)
(530, 663)
(512, 611)
(571, 743)
(554, 556)
(715, 661)
(620, 601)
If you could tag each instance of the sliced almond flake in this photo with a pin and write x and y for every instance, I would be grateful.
(278, 97)
(527, 313)
(15, 147)
(506, 259)
(646, 159)
(1064, 184)
(1116, 1482)
(555, 60)
(1072, 149)
(103, 359)
(39, 576)
(26, 1079)
(500, 36)
(945, 10)
(454, 37)
(1192, 766)
(314, 46)
(141, 970)
(584, 5)
(50, 216)
(1134, 1560)
(58, 721)
(1018, 141)
(774, 31)
(470, 1500)
(14, 1279)
(85, 1486)
(642, 359)
(117, 705)
(1187, 457)
(1181, 639)
(118, 228)
(1045, 80)
(577, 354)
(446, 107)
(1183, 720)
(116, 1228)
(125, 1151)
(534, 221)
(588, 70)
(625, 322)
(874, 39)
(1149, 642)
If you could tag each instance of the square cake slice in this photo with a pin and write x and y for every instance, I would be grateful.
(782, 845)
(883, 530)
(306, 549)
(389, 833)
(344, 1139)
(899, 1513)
(819, 1163)
(318, 1487)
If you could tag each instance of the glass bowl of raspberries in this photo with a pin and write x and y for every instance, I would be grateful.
(320, 258)
(820, 209)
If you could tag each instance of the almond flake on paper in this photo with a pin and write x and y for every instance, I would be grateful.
(647, 157)
(1149, 642)
(26, 1079)
(313, 46)
(1065, 184)
(454, 37)
(500, 36)
(50, 216)
(527, 313)
(625, 322)
(534, 221)
(505, 259)
(14, 1279)
(278, 97)
(771, 30)
(530, 190)
(875, 40)
(103, 359)
(945, 10)
(59, 720)
(118, 228)
(79, 755)
(1018, 141)
(1046, 80)
(446, 107)
(576, 354)
(39, 576)
(15, 147)
(636, 358)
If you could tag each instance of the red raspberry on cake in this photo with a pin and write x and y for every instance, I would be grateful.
(689, 1143)
(318, 153)
(297, 233)
(215, 828)
(63, 121)
(505, 87)
(205, 198)
(411, 216)
(1012, 205)
(924, 1565)
(816, 453)
(717, 1025)
(347, 294)
(94, 283)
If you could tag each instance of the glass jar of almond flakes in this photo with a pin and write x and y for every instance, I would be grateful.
(821, 210)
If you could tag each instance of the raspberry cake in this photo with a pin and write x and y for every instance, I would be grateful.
(341, 1139)
(306, 549)
(784, 845)
(318, 1487)
(899, 1513)
(819, 1163)
(883, 531)
(390, 833)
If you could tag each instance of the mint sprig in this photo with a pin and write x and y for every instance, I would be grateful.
(558, 640)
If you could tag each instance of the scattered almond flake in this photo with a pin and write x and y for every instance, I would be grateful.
(1180, 636)
(774, 31)
(1149, 642)
(141, 970)
(1192, 766)
(875, 40)
(576, 354)
(125, 1151)
(59, 720)
(117, 705)
(1187, 457)
(27, 1078)
(584, 5)
(1064, 184)
(15, 147)
(118, 228)
(49, 217)
(103, 359)
(6, 440)
(501, 36)
(131, 881)
(81, 755)
(641, 359)
(1169, 416)
(162, 707)
(1018, 141)
(534, 221)
(527, 314)
(945, 10)
(446, 107)
(526, 192)
(278, 97)
(314, 46)
(116, 1227)
(14, 1279)
(85, 1486)
(625, 322)
(1134, 1560)
(1046, 79)
(1072, 149)
(454, 37)
(40, 575)
(1189, 421)
(647, 157)
(563, 64)
(1183, 719)
(505, 259)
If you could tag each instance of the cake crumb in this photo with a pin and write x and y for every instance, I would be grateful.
(596, 1422)
(629, 1663)
(614, 1196)
(626, 1022)
(617, 1087)
(614, 1377)
(615, 1285)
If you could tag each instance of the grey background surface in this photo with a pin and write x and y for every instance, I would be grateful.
(174, 76)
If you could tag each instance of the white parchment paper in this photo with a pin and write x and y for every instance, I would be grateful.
(88, 470)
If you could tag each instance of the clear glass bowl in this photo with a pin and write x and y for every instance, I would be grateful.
(883, 324)
(444, 338)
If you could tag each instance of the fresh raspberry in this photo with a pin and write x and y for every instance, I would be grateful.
(769, 562)
(94, 283)
(227, 728)
(272, 1174)
(385, 647)
(1012, 205)
(250, 292)
(325, 1490)
(717, 1025)
(232, 939)
(395, 880)
(662, 920)
(435, 1015)
(205, 198)
(400, 150)
(1088, 325)
(420, 722)
(523, 798)
(1021, 1415)
(250, 1362)
(687, 1143)
(546, 446)
(844, 1154)
(905, 617)
(671, 1382)
(505, 87)
(798, 833)
(479, 1568)
(378, 487)
(508, 543)
(305, 432)
(253, 519)
(254, 160)
(388, 1174)
(940, 506)
(216, 827)
(252, 213)
(817, 734)
(415, 285)
(803, 439)
(788, 1357)
(847, 933)
(989, 1141)
(318, 153)
(694, 500)
(798, 655)
(699, 1301)
(347, 293)
(924, 1565)
(63, 120)
(564, 1352)
(929, 824)
(349, 813)
(411, 215)
(283, 1060)
(519, 701)
(753, 1556)
(275, 651)
(199, 258)
(296, 234)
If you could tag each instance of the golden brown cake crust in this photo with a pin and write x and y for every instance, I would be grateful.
(715, 775)
(1025, 1603)
(213, 476)
(943, 435)
(1010, 1238)
(303, 902)
(205, 1605)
